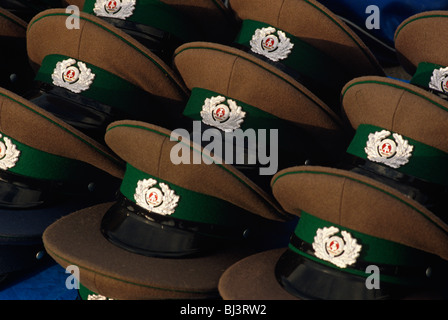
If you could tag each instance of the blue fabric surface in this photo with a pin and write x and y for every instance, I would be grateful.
(392, 13)
(47, 283)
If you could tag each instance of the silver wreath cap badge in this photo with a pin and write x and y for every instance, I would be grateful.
(439, 80)
(225, 117)
(97, 297)
(273, 46)
(341, 252)
(72, 75)
(9, 154)
(162, 201)
(393, 153)
(120, 9)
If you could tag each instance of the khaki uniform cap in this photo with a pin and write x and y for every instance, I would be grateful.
(346, 199)
(420, 38)
(315, 24)
(29, 124)
(113, 272)
(400, 107)
(104, 46)
(244, 77)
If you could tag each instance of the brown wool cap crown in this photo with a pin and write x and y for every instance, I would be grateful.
(29, 124)
(148, 148)
(421, 38)
(11, 25)
(315, 24)
(397, 106)
(362, 204)
(119, 274)
(241, 76)
(242, 280)
(104, 46)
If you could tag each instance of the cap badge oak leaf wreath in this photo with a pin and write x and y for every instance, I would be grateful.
(225, 117)
(273, 46)
(72, 75)
(439, 80)
(9, 154)
(391, 152)
(341, 252)
(120, 9)
(162, 201)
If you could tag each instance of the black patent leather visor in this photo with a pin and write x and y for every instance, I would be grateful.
(133, 228)
(308, 279)
(21, 192)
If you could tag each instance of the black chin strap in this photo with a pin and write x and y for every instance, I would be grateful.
(308, 279)
(88, 116)
(20, 192)
(133, 228)
(92, 117)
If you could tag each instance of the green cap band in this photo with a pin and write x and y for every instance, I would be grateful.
(254, 118)
(431, 76)
(303, 58)
(187, 204)
(105, 87)
(28, 161)
(372, 251)
(156, 14)
(87, 294)
(423, 161)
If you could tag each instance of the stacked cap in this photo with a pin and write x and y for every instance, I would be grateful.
(376, 22)
(153, 23)
(94, 75)
(48, 169)
(400, 137)
(306, 40)
(235, 92)
(174, 229)
(418, 46)
(164, 25)
(351, 227)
